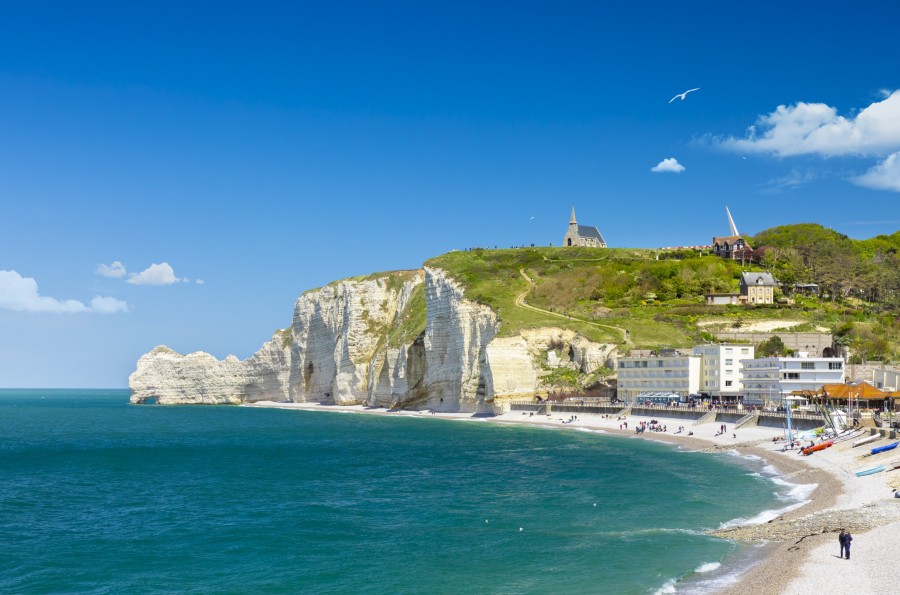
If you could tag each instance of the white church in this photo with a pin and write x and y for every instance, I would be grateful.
(582, 235)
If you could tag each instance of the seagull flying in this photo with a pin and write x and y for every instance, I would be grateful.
(683, 95)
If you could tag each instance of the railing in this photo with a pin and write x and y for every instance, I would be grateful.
(753, 416)
(794, 415)
(708, 417)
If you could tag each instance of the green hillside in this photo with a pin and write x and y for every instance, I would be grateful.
(650, 298)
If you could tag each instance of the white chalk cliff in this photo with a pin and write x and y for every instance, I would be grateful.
(360, 342)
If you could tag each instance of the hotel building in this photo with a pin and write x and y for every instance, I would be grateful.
(668, 373)
(766, 381)
(720, 369)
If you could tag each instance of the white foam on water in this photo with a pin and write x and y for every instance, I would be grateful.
(668, 587)
(715, 585)
(797, 493)
(708, 567)
(747, 457)
(590, 431)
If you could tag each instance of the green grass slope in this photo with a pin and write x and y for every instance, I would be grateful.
(658, 296)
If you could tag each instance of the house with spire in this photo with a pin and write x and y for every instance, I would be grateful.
(732, 246)
(582, 235)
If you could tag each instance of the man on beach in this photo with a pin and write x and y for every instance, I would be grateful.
(844, 538)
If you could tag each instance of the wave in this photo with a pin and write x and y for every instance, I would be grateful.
(798, 493)
(770, 470)
(708, 585)
(708, 567)
(668, 587)
(590, 431)
(652, 531)
(735, 453)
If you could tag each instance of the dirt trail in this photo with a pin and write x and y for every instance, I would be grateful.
(520, 302)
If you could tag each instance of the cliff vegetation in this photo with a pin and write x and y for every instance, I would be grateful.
(652, 298)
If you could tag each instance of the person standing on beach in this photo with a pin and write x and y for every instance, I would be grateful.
(844, 538)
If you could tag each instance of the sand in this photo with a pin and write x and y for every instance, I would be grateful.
(804, 557)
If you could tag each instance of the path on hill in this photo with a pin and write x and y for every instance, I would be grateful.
(520, 302)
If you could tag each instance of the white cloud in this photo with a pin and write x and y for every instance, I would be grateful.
(114, 270)
(816, 128)
(108, 305)
(884, 176)
(21, 294)
(155, 274)
(199, 281)
(668, 165)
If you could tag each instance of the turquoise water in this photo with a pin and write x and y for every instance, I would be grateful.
(100, 496)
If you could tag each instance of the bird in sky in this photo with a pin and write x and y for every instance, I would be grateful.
(683, 95)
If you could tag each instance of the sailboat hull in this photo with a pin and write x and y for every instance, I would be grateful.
(885, 448)
(811, 449)
(866, 440)
(870, 471)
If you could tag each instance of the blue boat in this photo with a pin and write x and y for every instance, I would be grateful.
(870, 471)
(885, 448)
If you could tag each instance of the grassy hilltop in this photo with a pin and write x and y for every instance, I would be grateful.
(657, 296)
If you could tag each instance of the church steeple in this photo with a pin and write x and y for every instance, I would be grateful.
(582, 235)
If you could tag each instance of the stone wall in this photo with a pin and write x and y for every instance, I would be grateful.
(813, 343)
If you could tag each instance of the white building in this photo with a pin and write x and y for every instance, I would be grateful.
(766, 381)
(673, 373)
(887, 379)
(720, 369)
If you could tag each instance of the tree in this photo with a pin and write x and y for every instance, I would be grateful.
(773, 347)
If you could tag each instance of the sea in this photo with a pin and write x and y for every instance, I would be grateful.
(100, 496)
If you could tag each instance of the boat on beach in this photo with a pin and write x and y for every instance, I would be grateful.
(849, 435)
(866, 440)
(885, 448)
(811, 449)
(870, 471)
(895, 464)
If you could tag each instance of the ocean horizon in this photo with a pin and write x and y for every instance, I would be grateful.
(100, 496)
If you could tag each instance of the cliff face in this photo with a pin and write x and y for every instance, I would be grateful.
(341, 349)
(362, 342)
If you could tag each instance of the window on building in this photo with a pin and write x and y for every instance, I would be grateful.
(729, 362)
(807, 365)
(728, 383)
(745, 350)
(791, 376)
(834, 365)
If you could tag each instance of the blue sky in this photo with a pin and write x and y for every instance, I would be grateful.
(267, 148)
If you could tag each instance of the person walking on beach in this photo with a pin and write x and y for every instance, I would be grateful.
(844, 538)
(847, 539)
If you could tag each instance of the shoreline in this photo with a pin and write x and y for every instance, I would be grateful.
(801, 549)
